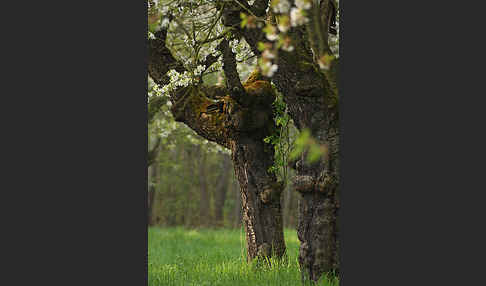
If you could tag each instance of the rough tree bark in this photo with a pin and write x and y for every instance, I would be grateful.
(311, 106)
(311, 93)
(238, 206)
(237, 117)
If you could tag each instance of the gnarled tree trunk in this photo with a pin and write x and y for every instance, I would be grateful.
(260, 196)
(239, 118)
(312, 106)
(318, 212)
(309, 87)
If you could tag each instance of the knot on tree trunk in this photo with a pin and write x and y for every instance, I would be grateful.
(252, 110)
(271, 192)
(303, 183)
(215, 114)
(326, 184)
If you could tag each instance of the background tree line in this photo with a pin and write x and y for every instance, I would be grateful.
(193, 185)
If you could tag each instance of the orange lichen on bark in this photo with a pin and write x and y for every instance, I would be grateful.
(215, 115)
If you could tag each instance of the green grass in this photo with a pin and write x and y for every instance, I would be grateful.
(178, 256)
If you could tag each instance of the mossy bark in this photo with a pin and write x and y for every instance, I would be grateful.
(318, 229)
(260, 196)
(237, 118)
(311, 96)
(240, 125)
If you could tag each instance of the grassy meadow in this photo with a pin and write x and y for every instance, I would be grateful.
(205, 257)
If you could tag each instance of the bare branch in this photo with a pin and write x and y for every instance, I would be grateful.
(160, 59)
(233, 82)
(259, 7)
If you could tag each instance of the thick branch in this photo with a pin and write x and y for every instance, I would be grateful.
(231, 18)
(202, 114)
(332, 76)
(258, 8)
(160, 59)
(233, 82)
(318, 28)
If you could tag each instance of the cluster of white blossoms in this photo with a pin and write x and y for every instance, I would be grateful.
(234, 45)
(287, 17)
(241, 49)
(268, 68)
(154, 6)
(280, 6)
(271, 32)
(178, 79)
(199, 69)
(303, 4)
(298, 17)
(165, 23)
(209, 49)
(265, 62)
(286, 43)
(154, 90)
(283, 23)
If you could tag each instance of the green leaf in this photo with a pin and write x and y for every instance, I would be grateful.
(314, 153)
(244, 19)
(261, 46)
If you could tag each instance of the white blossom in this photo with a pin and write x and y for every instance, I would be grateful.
(165, 23)
(272, 37)
(199, 69)
(267, 54)
(268, 69)
(283, 27)
(281, 6)
(297, 17)
(234, 44)
(303, 4)
(271, 32)
(288, 48)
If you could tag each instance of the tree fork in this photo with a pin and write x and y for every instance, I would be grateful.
(238, 120)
